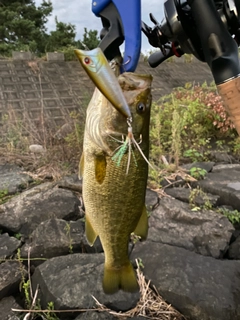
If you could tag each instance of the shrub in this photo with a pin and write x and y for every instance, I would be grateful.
(202, 119)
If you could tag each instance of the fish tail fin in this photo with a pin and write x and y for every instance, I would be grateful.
(123, 278)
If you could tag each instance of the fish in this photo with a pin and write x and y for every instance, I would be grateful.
(115, 201)
(97, 67)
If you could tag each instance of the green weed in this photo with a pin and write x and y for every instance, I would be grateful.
(193, 200)
(198, 173)
(232, 215)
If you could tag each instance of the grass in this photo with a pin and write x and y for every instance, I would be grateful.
(62, 149)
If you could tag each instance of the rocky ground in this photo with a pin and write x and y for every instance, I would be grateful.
(191, 256)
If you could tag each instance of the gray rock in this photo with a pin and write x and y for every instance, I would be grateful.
(71, 281)
(234, 249)
(13, 179)
(8, 246)
(221, 156)
(205, 232)
(151, 199)
(26, 211)
(183, 194)
(36, 148)
(10, 277)
(222, 167)
(225, 184)
(201, 288)
(56, 237)
(71, 182)
(6, 305)
(91, 315)
(208, 166)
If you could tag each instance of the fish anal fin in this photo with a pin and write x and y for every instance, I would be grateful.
(141, 229)
(81, 167)
(123, 278)
(91, 235)
(100, 167)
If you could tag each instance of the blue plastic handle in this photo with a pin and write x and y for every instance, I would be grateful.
(130, 13)
(99, 5)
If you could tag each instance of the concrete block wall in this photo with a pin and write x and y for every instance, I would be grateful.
(56, 88)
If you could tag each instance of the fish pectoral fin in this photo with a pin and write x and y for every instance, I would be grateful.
(141, 229)
(91, 235)
(100, 167)
(81, 167)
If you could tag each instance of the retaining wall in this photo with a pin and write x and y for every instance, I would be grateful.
(56, 87)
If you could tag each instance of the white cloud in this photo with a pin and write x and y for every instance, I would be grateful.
(78, 12)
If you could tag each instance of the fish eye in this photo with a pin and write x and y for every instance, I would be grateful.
(87, 60)
(141, 107)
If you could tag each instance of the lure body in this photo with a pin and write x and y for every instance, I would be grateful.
(97, 67)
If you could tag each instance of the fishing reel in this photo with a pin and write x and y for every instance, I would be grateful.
(187, 26)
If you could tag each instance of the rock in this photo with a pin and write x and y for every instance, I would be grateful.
(234, 249)
(177, 181)
(151, 199)
(36, 148)
(64, 131)
(222, 167)
(205, 232)
(201, 288)
(91, 315)
(6, 305)
(71, 281)
(56, 237)
(225, 184)
(13, 179)
(183, 194)
(26, 211)
(208, 166)
(10, 277)
(8, 245)
(221, 156)
(71, 182)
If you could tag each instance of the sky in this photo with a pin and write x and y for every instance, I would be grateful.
(79, 13)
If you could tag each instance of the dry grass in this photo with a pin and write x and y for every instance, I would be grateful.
(62, 146)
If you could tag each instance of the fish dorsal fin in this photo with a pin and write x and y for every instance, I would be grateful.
(100, 167)
(81, 167)
(141, 229)
(90, 233)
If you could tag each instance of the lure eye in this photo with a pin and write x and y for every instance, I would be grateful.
(87, 60)
(141, 107)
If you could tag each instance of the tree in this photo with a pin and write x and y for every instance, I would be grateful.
(63, 36)
(23, 25)
(90, 40)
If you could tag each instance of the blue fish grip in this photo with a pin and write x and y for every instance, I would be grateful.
(130, 13)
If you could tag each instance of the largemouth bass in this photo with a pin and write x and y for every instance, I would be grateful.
(115, 201)
(97, 67)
